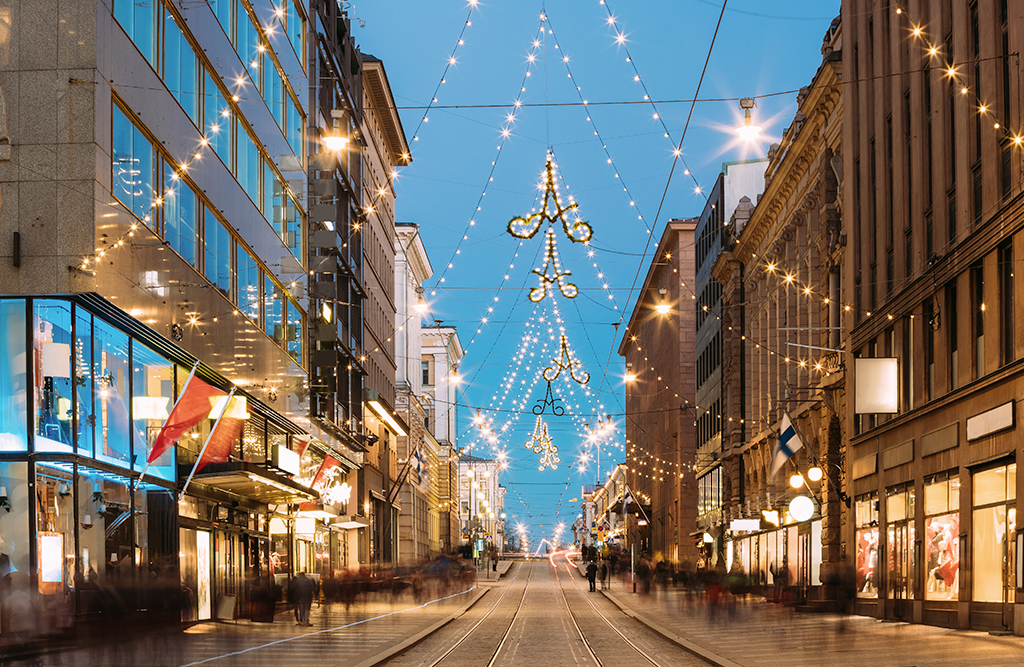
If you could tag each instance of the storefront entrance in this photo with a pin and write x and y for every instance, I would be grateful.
(993, 572)
(901, 557)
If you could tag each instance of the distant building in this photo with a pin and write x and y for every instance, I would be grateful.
(441, 354)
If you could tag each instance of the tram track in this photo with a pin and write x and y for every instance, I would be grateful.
(486, 616)
(575, 620)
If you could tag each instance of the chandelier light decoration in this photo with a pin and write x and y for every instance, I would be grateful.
(551, 211)
(540, 442)
(552, 273)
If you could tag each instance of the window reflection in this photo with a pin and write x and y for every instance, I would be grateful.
(152, 398)
(180, 67)
(132, 163)
(248, 285)
(272, 310)
(216, 119)
(180, 216)
(217, 254)
(110, 361)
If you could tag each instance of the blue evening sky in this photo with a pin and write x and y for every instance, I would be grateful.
(763, 48)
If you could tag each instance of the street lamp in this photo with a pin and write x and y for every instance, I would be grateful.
(748, 131)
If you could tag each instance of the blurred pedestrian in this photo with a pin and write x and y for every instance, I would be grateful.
(302, 590)
(604, 574)
(592, 575)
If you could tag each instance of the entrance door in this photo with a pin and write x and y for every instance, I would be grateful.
(901, 567)
(994, 557)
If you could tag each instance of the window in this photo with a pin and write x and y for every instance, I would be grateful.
(294, 332)
(152, 398)
(248, 284)
(978, 310)
(295, 25)
(248, 42)
(133, 164)
(52, 381)
(899, 512)
(85, 380)
(222, 10)
(272, 310)
(942, 537)
(110, 370)
(216, 119)
(181, 73)
(951, 328)
(217, 253)
(138, 20)
(293, 128)
(425, 365)
(867, 545)
(273, 92)
(248, 164)
(994, 518)
(1006, 317)
(180, 210)
(13, 399)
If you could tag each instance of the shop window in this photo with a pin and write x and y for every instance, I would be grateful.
(180, 212)
(254, 438)
(217, 253)
(15, 568)
(55, 534)
(13, 378)
(867, 546)
(110, 364)
(942, 538)
(899, 512)
(52, 362)
(180, 69)
(994, 521)
(84, 380)
(138, 20)
(152, 398)
(133, 163)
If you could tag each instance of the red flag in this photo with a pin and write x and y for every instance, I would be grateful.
(193, 406)
(301, 444)
(225, 433)
(329, 463)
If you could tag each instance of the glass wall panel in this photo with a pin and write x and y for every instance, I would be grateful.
(272, 203)
(152, 399)
(181, 73)
(84, 380)
(273, 298)
(52, 357)
(15, 568)
(180, 213)
(13, 378)
(110, 361)
(248, 42)
(217, 120)
(133, 164)
(295, 26)
(106, 553)
(248, 284)
(217, 255)
(55, 526)
(138, 20)
(249, 165)
(222, 10)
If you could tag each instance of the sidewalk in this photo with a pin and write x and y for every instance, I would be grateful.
(760, 634)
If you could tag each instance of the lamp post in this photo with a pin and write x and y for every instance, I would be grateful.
(748, 131)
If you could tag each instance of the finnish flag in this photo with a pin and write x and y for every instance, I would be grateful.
(787, 444)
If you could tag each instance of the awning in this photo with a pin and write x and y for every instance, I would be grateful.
(349, 522)
(254, 481)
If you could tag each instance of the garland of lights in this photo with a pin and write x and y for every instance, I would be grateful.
(527, 227)
(551, 273)
(565, 361)
(540, 442)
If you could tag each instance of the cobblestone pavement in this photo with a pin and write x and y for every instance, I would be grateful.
(758, 634)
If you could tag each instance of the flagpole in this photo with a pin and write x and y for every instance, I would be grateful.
(206, 444)
(184, 388)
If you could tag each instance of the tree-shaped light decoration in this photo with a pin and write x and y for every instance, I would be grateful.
(552, 273)
(552, 212)
(540, 442)
(565, 361)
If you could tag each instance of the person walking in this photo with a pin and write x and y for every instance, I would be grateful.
(302, 589)
(604, 574)
(592, 575)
